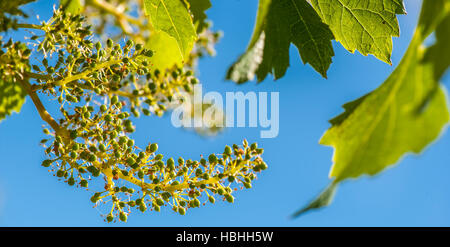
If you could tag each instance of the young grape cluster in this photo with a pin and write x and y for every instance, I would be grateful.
(100, 85)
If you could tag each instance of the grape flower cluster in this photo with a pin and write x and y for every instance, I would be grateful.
(100, 86)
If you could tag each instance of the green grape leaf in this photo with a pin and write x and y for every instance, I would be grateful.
(366, 26)
(323, 200)
(12, 97)
(173, 18)
(166, 53)
(73, 6)
(198, 8)
(280, 23)
(12, 7)
(405, 114)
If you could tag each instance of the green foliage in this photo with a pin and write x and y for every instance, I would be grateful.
(12, 7)
(198, 8)
(72, 6)
(8, 11)
(323, 200)
(12, 98)
(280, 23)
(166, 51)
(13, 64)
(366, 26)
(143, 75)
(99, 86)
(405, 114)
(173, 18)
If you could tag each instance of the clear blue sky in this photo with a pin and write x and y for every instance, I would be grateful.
(413, 193)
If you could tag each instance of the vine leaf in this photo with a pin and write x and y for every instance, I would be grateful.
(405, 114)
(198, 8)
(173, 18)
(12, 97)
(166, 52)
(280, 23)
(366, 26)
(12, 7)
(73, 6)
(323, 200)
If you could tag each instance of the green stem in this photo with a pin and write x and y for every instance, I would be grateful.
(29, 26)
(41, 109)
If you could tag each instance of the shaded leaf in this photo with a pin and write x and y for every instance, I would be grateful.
(73, 6)
(12, 98)
(166, 53)
(378, 129)
(198, 8)
(366, 26)
(280, 23)
(12, 7)
(173, 18)
(324, 199)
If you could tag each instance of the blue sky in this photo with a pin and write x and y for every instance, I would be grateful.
(413, 193)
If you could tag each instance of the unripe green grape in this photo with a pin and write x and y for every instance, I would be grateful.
(71, 181)
(220, 191)
(227, 150)
(109, 43)
(231, 179)
(123, 217)
(212, 158)
(60, 173)
(92, 158)
(247, 185)
(171, 164)
(130, 42)
(196, 202)
(142, 207)
(114, 100)
(84, 183)
(103, 108)
(181, 211)
(263, 166)
(109, 218)
(102, 147)
(203, 162)
(98, 46)
(94, 199)
(139, 47)
(108, 118)
(73, 155)
(159, 202)
(130, 161)
(153, 147)
(46, 163)
(229, 198)
(211, 199)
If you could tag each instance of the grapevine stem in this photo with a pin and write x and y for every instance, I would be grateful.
(40, 107)
(123, 19)
(30, 26)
